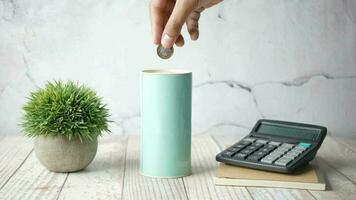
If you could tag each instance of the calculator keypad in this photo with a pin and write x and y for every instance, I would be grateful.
(264, 151)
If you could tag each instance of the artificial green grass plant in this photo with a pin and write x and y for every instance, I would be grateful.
(65, 109)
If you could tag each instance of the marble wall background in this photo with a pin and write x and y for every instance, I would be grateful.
(289, 60)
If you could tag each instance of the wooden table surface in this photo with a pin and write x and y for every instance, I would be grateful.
(114, 173)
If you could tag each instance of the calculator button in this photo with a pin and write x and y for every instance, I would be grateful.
(239, 146)
(247, 151)
(278, 154)
(275, 155)
(304, 145)
(282, 151)
(265, 149)
(268, 161)
(283, 161)
(287, 146)
(257, 144)
(228, 153)
(240, 156)
(244, 142)
(234, 149)
(270, 158)
(291, 156)
(274, 143)
(297, 149)
(249, 139)
(262, 141)
(270, 146)
(259, 153)
(254, 157)
(294, 153)
(251, 147)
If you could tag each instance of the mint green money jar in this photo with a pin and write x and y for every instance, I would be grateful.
(165, 142)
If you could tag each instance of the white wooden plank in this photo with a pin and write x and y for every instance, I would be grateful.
(33, 181)
(137, 186)
(200, 184)
(13, 151)
(259, 192)
(340, 157)
(338, 186)
(278, 193)
(103, 178)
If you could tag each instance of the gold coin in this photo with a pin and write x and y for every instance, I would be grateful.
(164, 53)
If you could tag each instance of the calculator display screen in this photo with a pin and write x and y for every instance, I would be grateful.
(288, 131)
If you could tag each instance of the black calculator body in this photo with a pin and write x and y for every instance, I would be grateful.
(277, 146)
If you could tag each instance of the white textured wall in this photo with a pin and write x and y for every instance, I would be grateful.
(289, 60)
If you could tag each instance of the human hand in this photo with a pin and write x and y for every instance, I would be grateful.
(169, 16)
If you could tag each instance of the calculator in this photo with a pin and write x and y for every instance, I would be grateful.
(277, 146)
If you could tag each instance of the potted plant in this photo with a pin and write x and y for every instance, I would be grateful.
(65, 119)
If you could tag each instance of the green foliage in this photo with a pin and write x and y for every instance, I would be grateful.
(65, 109)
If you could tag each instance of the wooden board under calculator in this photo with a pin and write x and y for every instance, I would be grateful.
(308, 177)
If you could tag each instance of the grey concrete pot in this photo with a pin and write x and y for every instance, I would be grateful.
(58, 154)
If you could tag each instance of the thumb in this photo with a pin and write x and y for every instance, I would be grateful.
(179, 15)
